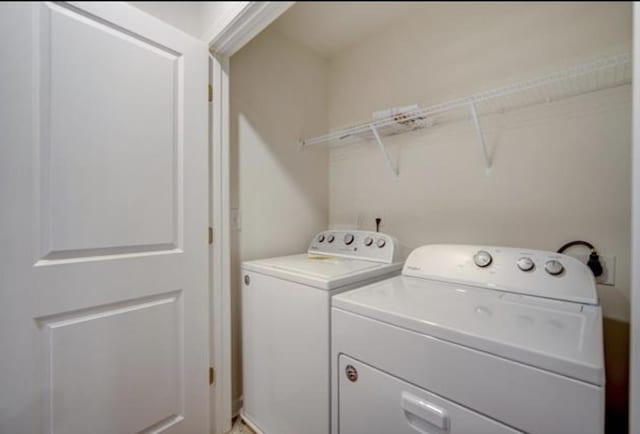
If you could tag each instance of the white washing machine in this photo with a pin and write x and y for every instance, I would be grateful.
(286, 303)
(471, 340)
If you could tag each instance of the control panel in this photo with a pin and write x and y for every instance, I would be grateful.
(372, 246)
(523, 271)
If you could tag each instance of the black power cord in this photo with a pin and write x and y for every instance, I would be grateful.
(594, 260)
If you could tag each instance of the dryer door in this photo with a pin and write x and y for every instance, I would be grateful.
(373, 402)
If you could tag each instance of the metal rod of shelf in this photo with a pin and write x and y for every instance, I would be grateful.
(483, 144)
(385, 151)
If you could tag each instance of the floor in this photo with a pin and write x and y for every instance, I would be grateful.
(240, 428)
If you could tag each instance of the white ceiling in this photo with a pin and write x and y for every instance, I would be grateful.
(330, 27)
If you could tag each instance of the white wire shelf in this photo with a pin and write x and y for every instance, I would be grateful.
(602, 74)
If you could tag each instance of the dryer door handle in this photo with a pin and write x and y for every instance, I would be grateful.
(421, 413)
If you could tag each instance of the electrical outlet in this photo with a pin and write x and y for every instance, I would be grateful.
(608, 263)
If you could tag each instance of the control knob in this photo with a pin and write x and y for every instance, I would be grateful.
(482, 258)
(381, 243)
(368, 241)
(554, 267)
(525, 264)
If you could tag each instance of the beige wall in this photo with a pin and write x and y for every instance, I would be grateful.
(278, 95)
(561, 171)
(455, 49)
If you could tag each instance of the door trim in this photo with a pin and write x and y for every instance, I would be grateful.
(220, 264)
(246, 22)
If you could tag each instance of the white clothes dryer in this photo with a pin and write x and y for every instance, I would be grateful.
(471, 340)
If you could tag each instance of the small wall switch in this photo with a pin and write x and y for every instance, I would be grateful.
(608, 263)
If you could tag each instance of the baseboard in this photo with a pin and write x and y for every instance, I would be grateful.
(250, 424)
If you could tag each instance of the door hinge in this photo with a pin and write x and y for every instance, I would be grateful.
(212, 375)
(210, 235)
(210, 93)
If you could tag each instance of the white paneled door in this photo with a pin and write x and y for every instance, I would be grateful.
(103, 222)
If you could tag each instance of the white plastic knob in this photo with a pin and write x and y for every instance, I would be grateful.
(525, 264)
(554, 267)
(482, 258)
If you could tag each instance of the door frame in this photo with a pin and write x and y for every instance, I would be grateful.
(246, 22)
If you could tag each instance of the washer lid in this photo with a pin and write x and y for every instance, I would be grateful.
(558, 336)
(321, 271)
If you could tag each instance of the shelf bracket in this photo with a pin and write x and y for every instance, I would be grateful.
(394, 167)
(483, 145)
